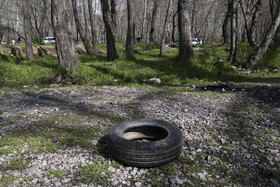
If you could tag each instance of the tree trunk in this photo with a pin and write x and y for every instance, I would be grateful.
(144, 23)
(193, 13)
(225, 24)
(109, 18)
(185, 36)
(233, 35)
(83, 33)
(64, 44)
(28, 29)
(174, 26)
(162, 41)
(246, 31)
(153, 21)
(85, 18)
(129, 46)
(92, 26)
(253, 28)
(261, 50)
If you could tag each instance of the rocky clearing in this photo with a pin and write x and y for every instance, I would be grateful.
(57, 137)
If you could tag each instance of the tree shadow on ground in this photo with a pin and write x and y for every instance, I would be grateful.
(252, 129)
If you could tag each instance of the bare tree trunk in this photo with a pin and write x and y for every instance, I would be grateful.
(144, 23)
(153, 21)
(233, 35)
(129, 46)
(174, 26)
(185, 36)
(246, 32)
(252, 30)
(83, 32)
(204, 21)
(64, 44)
(109, 18)
(193, 12)
(225, 24)
(162, 41)
(85, 18)
(28, 29)
(92, 26)
(261, 50)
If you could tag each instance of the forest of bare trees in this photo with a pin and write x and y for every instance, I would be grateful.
(70, 21)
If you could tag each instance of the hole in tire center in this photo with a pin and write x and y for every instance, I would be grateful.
(145, 134)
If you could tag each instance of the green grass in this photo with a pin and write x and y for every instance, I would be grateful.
(55, 173)
(209, 65)
(48, 136)
(35, 144)
(6, 179)
(96, 173)
(16, 164)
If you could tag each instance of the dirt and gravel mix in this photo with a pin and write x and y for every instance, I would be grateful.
(57, 136)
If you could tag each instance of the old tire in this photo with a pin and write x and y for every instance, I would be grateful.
(166, 144)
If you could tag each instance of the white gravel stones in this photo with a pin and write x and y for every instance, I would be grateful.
(210, 122)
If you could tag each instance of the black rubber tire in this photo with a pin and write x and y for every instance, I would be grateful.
(166, 148)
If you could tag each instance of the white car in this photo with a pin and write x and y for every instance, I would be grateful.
(49, 40)
(196, 42)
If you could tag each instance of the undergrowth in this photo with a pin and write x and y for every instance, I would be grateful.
(209, 65)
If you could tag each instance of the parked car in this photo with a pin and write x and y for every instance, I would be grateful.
(195, 42)
(49, 40)
(175, 44)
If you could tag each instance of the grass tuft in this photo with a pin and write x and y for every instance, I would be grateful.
(97, 173)
(16, 164)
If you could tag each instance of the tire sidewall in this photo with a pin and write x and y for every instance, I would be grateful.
(173, 139)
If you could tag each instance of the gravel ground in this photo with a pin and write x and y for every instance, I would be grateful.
(57, 137)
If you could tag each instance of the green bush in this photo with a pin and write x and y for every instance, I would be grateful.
(244, 51)
(271, 59)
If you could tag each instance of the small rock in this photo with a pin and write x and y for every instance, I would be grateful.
(66, 180)
(32, 170)
(57, 184)
(26, 86)
(44, 163)
(275, 70)
(208, 158)
(199, 150)
(223, 141)
(173, 181)
(16, 173)
(40, 157)
(202, 176)
(138, 184)
(34, 181)
(154, 81)
(54, 86)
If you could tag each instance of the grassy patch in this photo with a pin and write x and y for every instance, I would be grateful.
(209, 65)
(211, 142)
(25, 142)
(240, 176)
(95, 173)
(16, 164)
(154, 180)
(6, 179)
(50, 134)
(55, 173)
